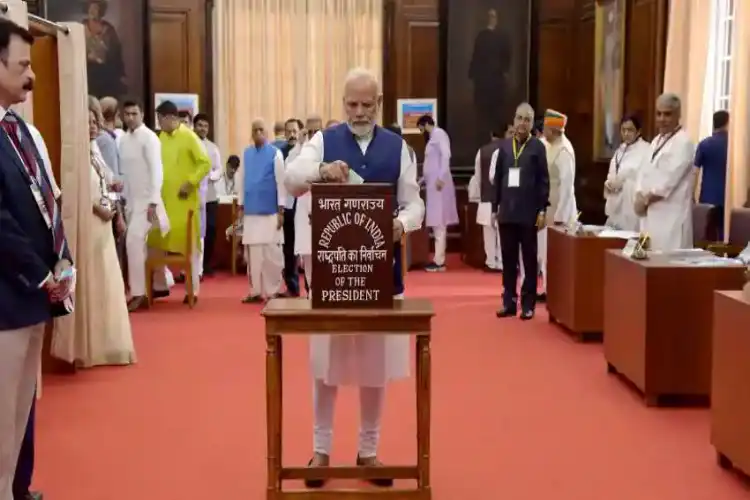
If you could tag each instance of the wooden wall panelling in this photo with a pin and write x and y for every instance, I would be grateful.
(180, 48)
(46, 97)
(411, 57)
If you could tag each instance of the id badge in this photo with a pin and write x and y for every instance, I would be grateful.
(514, 177)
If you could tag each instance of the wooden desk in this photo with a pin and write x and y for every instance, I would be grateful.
(296, 317)
(224, 248)
(575, 281)
(730, 384)
(472, 245)
(658, 316)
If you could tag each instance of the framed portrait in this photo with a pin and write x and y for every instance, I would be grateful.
(485, 69)
(116, 44)
(609, 76)
(184, 102)
(410, 110)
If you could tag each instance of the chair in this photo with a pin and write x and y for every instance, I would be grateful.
(739, 234)
(705, 225)
(183, 261)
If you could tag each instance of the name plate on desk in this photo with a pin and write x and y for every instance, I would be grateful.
(352, 236)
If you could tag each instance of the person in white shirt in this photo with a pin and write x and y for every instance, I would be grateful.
(619, 188)
(261, 195)
(140, 155)
(561, 164)
(366, 361)
(666, 182)
(202, 126)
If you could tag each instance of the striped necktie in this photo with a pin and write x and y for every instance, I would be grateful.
(38, 174)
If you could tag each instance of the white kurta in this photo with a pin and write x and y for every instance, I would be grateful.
(216, 172)
(669, 174)
(364, 360)
(490, 233)
(623, 173)
(262, 229)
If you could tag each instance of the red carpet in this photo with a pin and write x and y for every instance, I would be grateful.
(520, 412)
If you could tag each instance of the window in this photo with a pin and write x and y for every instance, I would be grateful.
(724, 38)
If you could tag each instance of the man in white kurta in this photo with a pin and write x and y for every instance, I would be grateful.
(366, 361)
(261, 195)
(209, 198)
(666, 182)
(140, 156)
(561, 163)
(482, 180)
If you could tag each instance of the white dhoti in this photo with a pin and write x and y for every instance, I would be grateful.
(263, 242)
(491, 236)
(367, 361)
(136, 241)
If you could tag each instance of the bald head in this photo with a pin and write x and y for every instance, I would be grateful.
(362, 100)
(259, 132)
(109, 108)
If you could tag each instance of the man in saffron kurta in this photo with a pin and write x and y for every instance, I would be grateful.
(186, 163)
(366, 361)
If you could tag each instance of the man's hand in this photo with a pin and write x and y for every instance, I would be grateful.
(640, 205)
(653, 198)
(116, 186)
(185, 190)
(337, 172)
(439, 185)
(151, 213)
(104, 213)
(59, 286)
(280, 220)
(541, 220)
(398, 230)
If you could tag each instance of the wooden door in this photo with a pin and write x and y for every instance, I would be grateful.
(46, 97)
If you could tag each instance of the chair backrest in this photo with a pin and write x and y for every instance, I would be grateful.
(705, 225)
(739, 227)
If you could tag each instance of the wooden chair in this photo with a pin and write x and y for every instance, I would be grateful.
(739, 234)
(182, 261)
(705, 228)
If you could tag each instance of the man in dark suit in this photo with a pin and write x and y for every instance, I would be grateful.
(36, 274)
(521, 181)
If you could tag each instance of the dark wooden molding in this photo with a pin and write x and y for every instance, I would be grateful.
(208, 75)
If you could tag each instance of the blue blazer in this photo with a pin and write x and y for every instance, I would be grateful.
(26, 246)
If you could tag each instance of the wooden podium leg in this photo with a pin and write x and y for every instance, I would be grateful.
(423, 414)
(273, 414)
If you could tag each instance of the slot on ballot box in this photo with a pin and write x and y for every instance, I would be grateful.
(352, 233)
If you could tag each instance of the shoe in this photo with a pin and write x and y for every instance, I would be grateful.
(138, 304)
(318, 460)
(160, 294)
(180, 278)
(527, 314)
(253, 299)
(488, 269)
(541, 298)
(506, 312)
(374, 462)
(434, 268)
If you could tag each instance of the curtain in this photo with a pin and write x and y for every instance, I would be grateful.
(18, 13)
(278, 59)
(688, 36)
(738, 168)
(75, 177)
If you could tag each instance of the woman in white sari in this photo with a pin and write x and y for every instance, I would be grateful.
(619, 188)
(108, 339)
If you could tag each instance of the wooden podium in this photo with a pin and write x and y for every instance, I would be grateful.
(297, 317)
(352, 293)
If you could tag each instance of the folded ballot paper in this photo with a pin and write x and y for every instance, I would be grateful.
(354, 178)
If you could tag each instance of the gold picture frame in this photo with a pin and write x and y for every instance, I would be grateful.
(609, 76)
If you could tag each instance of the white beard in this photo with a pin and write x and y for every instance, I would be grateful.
(361, 131)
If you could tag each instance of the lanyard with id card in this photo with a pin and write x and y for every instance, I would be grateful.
(514, 173)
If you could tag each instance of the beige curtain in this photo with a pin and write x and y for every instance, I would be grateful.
(738, 175)
(18, 13)
(74, 176)
(686, 63)
(278, 59)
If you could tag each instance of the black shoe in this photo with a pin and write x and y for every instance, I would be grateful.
(160, 294)
(541, 298)
(527, 314)
(374, 462)
(180, 278)
(314, 483)
(434, 268)
(506, 312)
(252, 299)
(488, 269)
